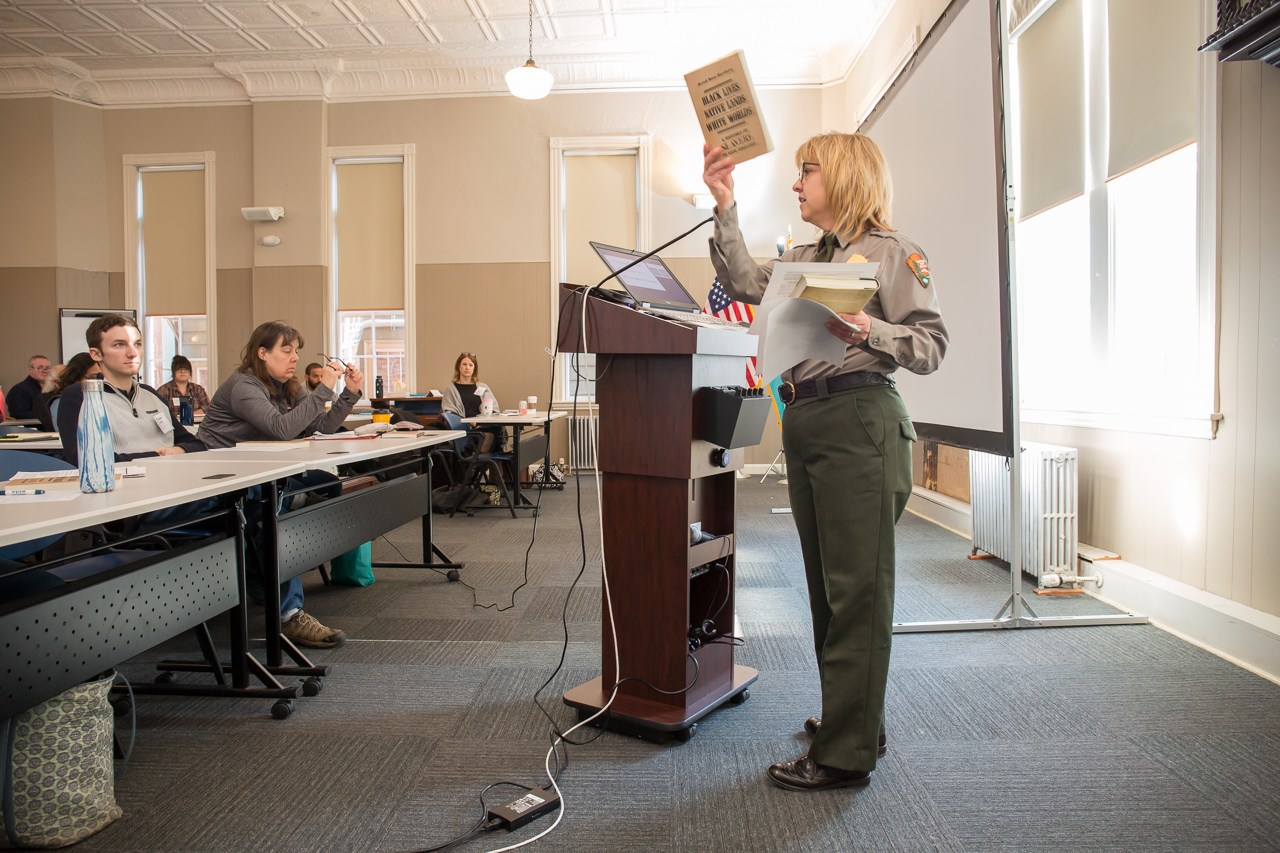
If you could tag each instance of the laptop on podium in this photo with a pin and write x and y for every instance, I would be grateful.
(654, 287)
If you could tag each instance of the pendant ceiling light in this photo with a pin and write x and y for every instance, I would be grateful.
(528, 81)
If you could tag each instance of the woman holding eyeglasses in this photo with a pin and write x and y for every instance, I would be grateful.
(264, 400)
(466, 395)
(847, 435)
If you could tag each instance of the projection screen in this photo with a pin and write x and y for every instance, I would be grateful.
(941, 128)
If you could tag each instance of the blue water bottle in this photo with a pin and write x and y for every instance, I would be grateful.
(97, 447)
(186, 414)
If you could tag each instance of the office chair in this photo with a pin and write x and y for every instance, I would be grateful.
(447, 456)
(482, 464)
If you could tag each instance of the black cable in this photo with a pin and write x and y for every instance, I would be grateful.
(484, 824)
(558, 737)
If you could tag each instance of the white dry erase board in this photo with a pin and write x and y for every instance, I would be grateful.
(74, 322)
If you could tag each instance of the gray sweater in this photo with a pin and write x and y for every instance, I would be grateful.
(139, 427)
(242, 410)
(452, 400)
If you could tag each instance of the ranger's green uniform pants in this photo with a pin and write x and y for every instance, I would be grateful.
(849, 469)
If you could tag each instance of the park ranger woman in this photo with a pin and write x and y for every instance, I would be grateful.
(847, 436)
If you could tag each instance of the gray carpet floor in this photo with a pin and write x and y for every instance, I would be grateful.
(1119, 738)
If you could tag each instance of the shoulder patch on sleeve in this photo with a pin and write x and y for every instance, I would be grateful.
(919, 268)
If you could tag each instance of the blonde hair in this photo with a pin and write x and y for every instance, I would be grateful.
(856, 177)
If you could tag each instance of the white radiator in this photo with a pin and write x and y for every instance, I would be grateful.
(584, 433)
(1050, 499)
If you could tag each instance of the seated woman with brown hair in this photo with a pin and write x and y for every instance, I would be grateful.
(265, 401)
(182, 386)
(466, 395)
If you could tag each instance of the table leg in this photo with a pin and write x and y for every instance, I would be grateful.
(430, 550)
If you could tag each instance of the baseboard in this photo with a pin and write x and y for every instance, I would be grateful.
(947, 513)
(1234, 632)
(1244, 636)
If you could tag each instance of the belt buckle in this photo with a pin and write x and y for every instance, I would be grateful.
(787, 391)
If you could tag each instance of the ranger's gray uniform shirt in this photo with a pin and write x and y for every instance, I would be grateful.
(906, 324)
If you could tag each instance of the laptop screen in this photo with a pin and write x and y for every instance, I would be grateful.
(650, 281)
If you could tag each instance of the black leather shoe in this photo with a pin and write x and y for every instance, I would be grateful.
(812, 725)
(805, 774)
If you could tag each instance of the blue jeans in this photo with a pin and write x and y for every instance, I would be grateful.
(291, 596)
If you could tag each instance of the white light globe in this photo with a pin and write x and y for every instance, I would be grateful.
(530, 82)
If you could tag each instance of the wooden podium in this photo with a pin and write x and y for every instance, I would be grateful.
(658, 478)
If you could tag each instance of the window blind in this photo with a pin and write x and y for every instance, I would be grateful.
(173, 240)
(369, 236)
(1152, 79)
(1051, 108)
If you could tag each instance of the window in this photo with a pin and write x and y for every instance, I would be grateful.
(1112, 332)
(374, 342)
(170, 277)
(176, 334)
(372, 285)
(1154, 303)
(600, 188)
(1053, 294)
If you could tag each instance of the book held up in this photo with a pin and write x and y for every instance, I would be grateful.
(728, 108)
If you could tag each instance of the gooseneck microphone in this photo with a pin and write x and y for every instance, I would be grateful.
(646, 256)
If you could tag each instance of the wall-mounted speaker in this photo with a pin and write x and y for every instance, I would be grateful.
(262, 214)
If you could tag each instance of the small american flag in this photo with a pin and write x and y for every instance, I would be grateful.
(721, 304)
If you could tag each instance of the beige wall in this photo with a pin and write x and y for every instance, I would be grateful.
(289, 170)
(80, 192)
(841, 103)
(483, 166)
(226, 131)
(28, 215)
(235, 317)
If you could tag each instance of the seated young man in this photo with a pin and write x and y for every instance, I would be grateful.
(141, 423)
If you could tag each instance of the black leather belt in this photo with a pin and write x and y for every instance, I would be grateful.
(789, 392)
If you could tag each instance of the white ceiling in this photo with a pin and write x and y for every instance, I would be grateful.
(117, 52)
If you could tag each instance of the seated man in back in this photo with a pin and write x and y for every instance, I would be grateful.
(141, 424)
(315, 376)
(21, 398)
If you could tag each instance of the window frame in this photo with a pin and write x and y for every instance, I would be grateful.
(404, 154)
(570, 146)
(135, 296)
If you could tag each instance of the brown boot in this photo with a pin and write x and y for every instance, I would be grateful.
(305, 630)
(805, 774)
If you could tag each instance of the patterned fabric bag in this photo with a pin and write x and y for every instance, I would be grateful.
(548, 478)
(58, 780)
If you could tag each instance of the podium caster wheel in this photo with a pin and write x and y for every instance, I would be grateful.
(453, 575)
(312, 686)
(741, 697)
(164, 678)
(534, 513)
(282, 709)
(683, 735)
